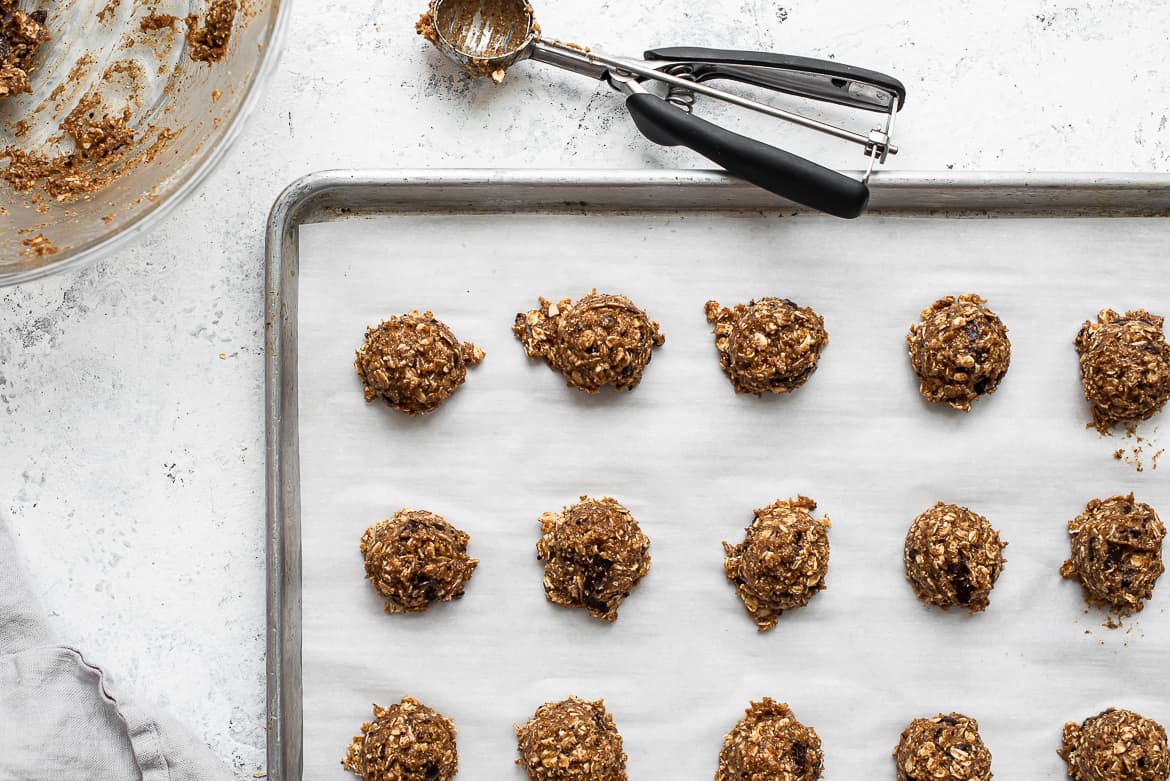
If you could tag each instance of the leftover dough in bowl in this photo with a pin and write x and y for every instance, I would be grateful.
(129, 103)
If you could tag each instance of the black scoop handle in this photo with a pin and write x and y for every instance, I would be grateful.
(775, 170)
(707, 61)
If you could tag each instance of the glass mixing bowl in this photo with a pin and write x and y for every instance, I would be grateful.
(130, 59)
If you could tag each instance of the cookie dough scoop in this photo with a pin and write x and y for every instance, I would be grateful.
(486, 37)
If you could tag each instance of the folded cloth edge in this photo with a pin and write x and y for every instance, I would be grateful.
(22, 623)
(163, 750)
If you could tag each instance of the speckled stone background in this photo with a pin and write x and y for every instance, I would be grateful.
(131, 442)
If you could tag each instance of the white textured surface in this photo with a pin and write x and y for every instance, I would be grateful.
(131, 452)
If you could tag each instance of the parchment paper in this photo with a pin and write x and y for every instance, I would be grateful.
(691, 460)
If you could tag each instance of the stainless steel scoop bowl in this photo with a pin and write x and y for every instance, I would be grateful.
(486, 37)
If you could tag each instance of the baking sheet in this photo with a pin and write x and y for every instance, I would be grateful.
(691, 460)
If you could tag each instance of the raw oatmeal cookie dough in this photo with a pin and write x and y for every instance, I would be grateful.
(942, 748)
(405, 742)
(769, 743)
(416, 559)
(413, 362)
(959, 350)
(594, 554)
(21, 35)
(1116, 552)
(208, 38)
(1125, 367)
(782, 560)
(953, 557)
(769, 346)
(571, 740)
(600, 340)
(1116, 745)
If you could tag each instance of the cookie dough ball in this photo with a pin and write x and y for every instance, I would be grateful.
(943, 748)
(570, 740)
(769, 743)
(1116, 552)
(416, 559)
(413, 362)
(1116, 745)
(1125, 367)
(769, 346)
(782, 560)
(600, 340)
(953, 557)
(594, 554)
(960, 351)
(405, 742)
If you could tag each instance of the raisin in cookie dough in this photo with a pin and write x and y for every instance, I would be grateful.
(594, 553)
(416, 559)
(782, 561)
(1125, 367)
(769, 346)
(1116, 745)
(942, 748)
(405, 742)
(959, 350)
(21, 35)
(571, 740)
(413, 362)
(600, 340)
(769, 743)
(1116, 553)
(953, 557)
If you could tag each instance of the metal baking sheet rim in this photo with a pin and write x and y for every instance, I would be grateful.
(327, 195)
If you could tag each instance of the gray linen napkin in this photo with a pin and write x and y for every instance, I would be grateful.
(60, 721)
